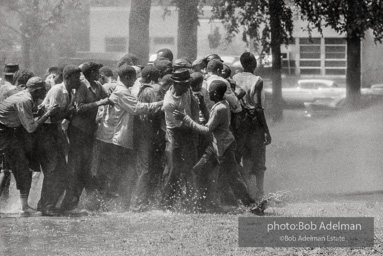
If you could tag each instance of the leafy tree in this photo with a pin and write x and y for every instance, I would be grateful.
(139, 29)
(352, 18)
(269, 22)
(31, 19)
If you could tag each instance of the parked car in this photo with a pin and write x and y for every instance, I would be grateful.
(309, 90)
(331, 106)
(233, 63)
(377, 89)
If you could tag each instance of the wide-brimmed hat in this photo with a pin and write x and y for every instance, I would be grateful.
(10, 69)
(181, 76)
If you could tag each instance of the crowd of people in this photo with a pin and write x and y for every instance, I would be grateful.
(171, 133)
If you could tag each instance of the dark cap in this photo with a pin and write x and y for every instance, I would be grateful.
(181, 63)
(213, 57)
(181, 76)
(198, 62)
(10, 69)
(35, 83)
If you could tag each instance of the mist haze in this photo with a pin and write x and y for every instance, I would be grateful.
(340, 154)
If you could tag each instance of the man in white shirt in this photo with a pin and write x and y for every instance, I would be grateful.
(113, 159)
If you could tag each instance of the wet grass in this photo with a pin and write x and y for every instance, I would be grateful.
(165, 233)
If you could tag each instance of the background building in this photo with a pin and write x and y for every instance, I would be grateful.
(322, 55)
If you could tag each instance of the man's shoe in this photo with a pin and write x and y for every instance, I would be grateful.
(29, 212)
(141, 208)
(50, 213)
(259, 208)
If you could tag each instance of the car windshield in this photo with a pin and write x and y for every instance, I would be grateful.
(307, 85)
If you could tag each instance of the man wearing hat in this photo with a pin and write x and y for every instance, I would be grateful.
(181, 147)
(7, 89)
(16, 121)
(7, 85)
(9, 70)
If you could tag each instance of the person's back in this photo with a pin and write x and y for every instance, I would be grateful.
(6, 90)
(8, 108)
(252, 134)
(250, 84)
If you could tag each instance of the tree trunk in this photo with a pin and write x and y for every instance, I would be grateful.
(139, 29)
(276, 76)
(187, 29)
(353, 73)
(26, 52)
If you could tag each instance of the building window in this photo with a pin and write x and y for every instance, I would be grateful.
(163, 40)
(115, 44)
(310, 56)
(335, 56)
(323, 56)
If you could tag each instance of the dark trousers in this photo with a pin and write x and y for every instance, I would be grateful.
(181, 154)
(15, 157)
(5, 176)
(207, 178)
(251, 152)
(144, 152)
(79, 165)
(114, 168)
(51, 145)
(158, 161)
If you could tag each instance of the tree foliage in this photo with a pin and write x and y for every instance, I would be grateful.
(30, 19)
(269, 23)
(351, 17)
(253, 16)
